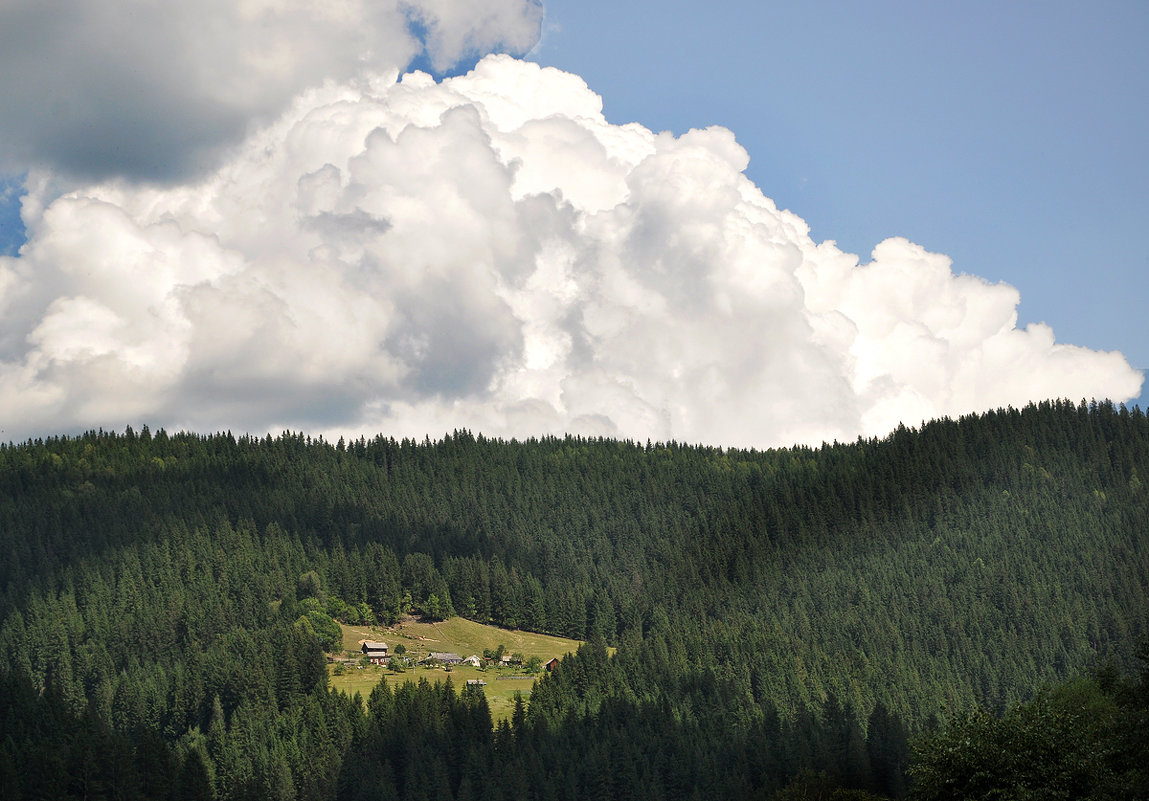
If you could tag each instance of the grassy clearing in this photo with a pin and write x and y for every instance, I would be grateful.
(457, 635)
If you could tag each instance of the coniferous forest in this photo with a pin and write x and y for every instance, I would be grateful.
(951, 612)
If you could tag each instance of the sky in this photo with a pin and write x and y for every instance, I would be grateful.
(754, 224)
(1009, 136)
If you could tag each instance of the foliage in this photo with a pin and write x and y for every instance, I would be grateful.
(809, 786)
(774, 612)
(1078, 740)
(323, 628)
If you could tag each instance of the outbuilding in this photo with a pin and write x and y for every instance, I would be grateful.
(445, 659)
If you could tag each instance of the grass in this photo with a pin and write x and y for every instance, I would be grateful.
(456, 635)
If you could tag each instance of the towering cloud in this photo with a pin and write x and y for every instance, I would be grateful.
(408, 256)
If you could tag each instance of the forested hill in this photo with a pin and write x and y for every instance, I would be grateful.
(152, 580)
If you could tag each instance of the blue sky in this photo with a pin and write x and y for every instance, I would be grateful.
(11, 228)
(1008, 136)
(246, 222)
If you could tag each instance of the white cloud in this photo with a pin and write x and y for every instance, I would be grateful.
(456, 29)
(411, 257)
(159, 90)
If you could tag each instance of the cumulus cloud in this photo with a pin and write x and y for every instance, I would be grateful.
(410, 257)
(158, 90)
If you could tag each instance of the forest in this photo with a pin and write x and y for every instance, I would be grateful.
(955, 611)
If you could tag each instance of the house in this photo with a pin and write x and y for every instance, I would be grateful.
(446, 659)
(473, 660)
(476, 683)
(554, 663)
(376, 652)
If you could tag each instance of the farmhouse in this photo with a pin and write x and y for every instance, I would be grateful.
(376, 652)
(446, 659)
(554, 663)
(473, 660)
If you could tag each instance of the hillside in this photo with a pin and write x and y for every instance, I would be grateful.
(177, 589)
(456, 635)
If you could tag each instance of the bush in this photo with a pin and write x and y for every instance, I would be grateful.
(1059, 745)
(325, 629)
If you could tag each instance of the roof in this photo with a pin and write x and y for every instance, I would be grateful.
(446, 657)
(374, 646)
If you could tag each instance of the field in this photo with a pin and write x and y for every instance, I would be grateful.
(456, 635)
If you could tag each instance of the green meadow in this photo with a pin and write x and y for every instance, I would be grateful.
(456, 635)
